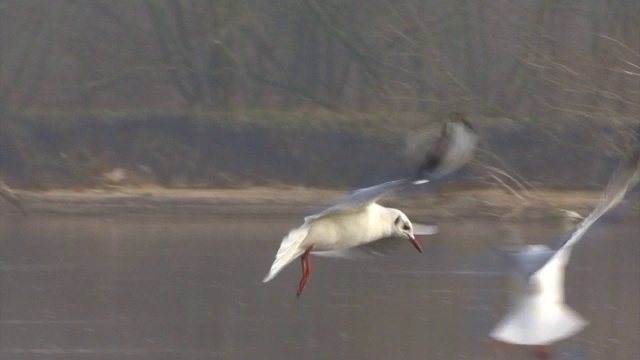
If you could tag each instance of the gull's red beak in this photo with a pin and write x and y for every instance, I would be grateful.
(415, 243)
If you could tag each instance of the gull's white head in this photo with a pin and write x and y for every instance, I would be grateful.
(403, 228)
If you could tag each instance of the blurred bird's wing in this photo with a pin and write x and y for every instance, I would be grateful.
(422, 229)
(370, 250)
(455, 147)
(361, 198)
(624, 179)
(528, 260)
(376, 248)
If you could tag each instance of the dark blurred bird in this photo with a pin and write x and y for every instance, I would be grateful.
(424, 147)
(455, 147)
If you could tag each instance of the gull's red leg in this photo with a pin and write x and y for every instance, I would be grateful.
(304, 265)
(542, 352)
(501, 347)
(306, 270)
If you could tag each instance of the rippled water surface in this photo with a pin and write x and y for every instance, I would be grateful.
(176, 288)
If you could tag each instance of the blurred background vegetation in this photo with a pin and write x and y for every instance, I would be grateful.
(232, 93)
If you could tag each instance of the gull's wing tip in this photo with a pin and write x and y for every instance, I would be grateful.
(454, 149)
(458, 117)
(422, 229)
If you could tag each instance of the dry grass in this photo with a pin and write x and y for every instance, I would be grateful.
(156, 200)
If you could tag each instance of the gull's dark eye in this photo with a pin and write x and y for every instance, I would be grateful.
(406, 227)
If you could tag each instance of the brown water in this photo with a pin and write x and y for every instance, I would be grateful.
(175, 288)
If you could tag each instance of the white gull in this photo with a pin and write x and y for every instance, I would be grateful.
(539, 315)
(358, 220)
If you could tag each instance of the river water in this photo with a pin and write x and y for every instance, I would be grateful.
(190, 288)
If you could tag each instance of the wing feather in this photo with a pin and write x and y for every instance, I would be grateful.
(623, 180)
(455, 147)
(377, 248)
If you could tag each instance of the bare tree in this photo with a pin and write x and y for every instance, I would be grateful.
(524, 60)
(195, 39)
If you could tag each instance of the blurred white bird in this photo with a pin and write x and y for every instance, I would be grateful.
(538, 315)
(357, 221)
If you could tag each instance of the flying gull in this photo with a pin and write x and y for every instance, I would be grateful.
(538, 315)
(358, 221)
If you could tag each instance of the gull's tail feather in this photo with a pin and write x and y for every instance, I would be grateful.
(529, 323)
(289, 250)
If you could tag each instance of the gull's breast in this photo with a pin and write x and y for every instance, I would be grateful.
(345, 230)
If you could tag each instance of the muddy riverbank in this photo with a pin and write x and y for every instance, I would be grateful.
(189, 202)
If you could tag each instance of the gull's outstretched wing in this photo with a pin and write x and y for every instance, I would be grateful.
(624, 179)
(377, 248)
(455, 147)
(370, 250)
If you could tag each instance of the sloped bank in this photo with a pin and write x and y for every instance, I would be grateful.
(182, 151)
(297, 202)
(47, 151)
